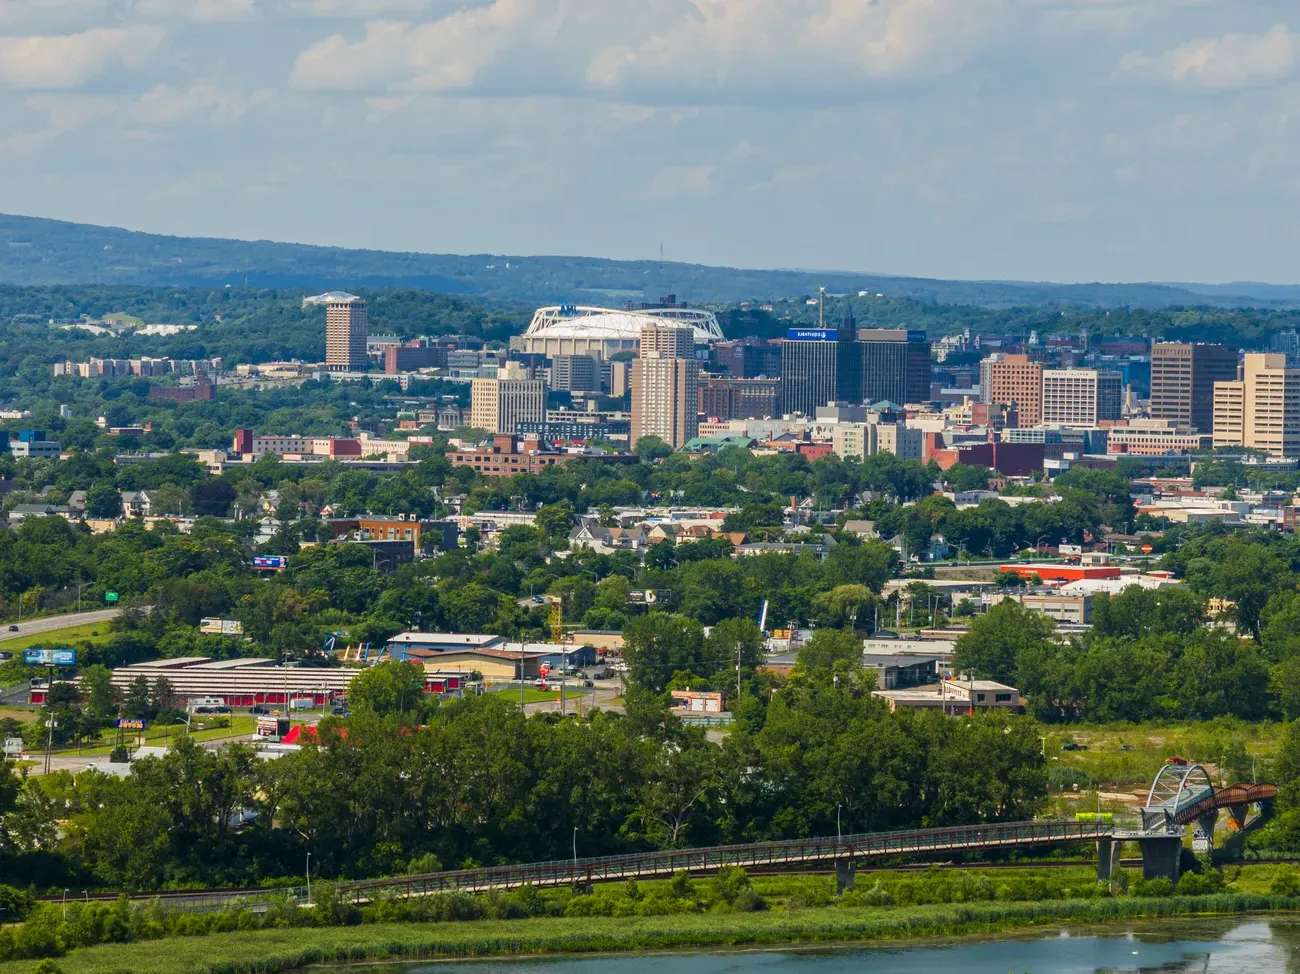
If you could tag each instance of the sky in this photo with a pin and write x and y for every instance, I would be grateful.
(1065, 140)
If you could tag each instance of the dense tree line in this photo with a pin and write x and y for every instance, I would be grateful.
(410, 785)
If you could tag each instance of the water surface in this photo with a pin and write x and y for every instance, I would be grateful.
(1230, 946)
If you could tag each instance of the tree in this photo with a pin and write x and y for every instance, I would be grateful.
(556, 520)
(137, 702)
(845, 605)
(737, 642)
(97, 688)
(658, 645)
(831, 654)
(392, 687)
(103, 500)
(1137, 612)
(996, 642)
(651, 448)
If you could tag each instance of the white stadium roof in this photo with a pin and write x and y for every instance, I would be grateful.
(583, 322)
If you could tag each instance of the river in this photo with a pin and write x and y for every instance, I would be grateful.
(1228, 946)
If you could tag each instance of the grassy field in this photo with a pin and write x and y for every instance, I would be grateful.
(1123, 759)
(532, 695)
(240, 726)
(275, 950)
(85, 632)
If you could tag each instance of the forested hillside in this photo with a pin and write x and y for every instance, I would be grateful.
(38, 251)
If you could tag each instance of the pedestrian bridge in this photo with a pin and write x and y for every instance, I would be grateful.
(1183, 794)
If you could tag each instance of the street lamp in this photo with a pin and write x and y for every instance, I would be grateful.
(65, 904)
(309, 878)
(839, 834)
(575, 853)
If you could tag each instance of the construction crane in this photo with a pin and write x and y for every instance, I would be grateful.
(557, 635)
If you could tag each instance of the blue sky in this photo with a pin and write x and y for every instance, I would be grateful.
(1069, 140)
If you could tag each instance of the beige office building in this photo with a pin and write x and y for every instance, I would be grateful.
(1015, 380)
(1081, 397)
(499, 405)
(346, 327)
(867, 439)
(1260, 410)
(665, 385)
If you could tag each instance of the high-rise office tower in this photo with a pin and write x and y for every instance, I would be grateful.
(895, 365)
(1182, 381)
(665, 385)
(819, 365)
(1081, 397)
(498, 405)
(1261, 409)
(1014, 380)
(346, 327)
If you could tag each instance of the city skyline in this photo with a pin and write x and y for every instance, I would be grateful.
(961, 139)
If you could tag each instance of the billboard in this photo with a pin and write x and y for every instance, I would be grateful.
(221, 627)
(812, 334)
(131, 723)
(1070, 549)
(270, 563)
(50, 657)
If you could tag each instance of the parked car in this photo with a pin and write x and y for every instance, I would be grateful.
(588, 684)
(1071, 746)
(1127, 747)
(341, 712)
(221, 710)
(259, 709)
(1181, 762)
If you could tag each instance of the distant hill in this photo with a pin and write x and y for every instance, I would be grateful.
(36, 251)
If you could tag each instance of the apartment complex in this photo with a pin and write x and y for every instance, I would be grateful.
(575, 373)
(665, 385)
(740, 398)
(1014, 380)
(1081, 397)
(1262, 408)
(499, 405)
(1182, 381)
(867, 439)
(346, 326)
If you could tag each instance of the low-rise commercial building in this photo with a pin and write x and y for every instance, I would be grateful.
(955, 698)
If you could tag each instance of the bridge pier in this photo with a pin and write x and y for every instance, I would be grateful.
(1108, 851)
(1161, 856)
(845, 871)
(1238, 815)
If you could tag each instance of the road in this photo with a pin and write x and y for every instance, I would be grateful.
(49, 623)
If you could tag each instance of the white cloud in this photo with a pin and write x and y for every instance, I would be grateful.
(1230, 61)
(675, 182)
(200, 10)
(164, 105)
(70, 60)
(719, 50)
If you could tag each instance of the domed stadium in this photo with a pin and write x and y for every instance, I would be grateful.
(582, 330)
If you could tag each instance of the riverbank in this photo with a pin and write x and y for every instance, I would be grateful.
(275, 951)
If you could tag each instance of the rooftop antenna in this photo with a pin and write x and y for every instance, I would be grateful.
(821, 307)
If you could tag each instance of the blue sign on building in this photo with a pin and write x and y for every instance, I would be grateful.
(812, 334)
(915, 336)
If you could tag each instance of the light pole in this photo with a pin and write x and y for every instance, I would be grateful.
(839, 833)
(575, 853)
(65, 904)
(309, 879)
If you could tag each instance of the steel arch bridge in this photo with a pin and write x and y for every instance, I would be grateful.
(1181, 794)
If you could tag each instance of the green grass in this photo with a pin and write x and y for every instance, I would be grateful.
(267, 951)
(240, 726)
(85, 632)
(532, 695)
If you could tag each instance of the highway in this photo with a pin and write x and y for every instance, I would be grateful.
(51, 623)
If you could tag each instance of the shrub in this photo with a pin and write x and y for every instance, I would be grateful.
(1200, 884)
(632, 891)
(681, 886)
(1285, 883)
(1153, 887)
(729, 883)
(1063, 778)
(748, 901)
